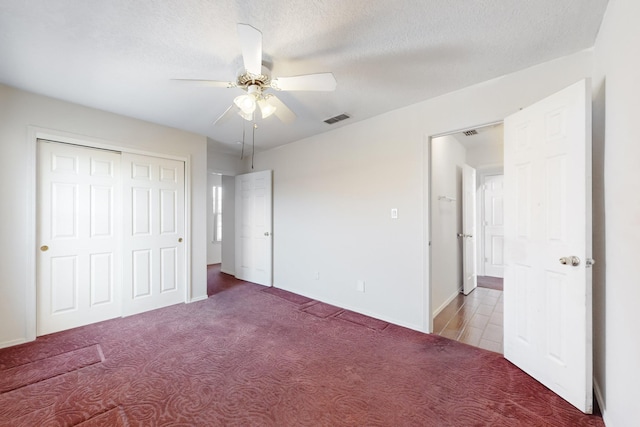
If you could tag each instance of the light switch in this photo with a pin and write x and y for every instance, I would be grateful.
(394, 213)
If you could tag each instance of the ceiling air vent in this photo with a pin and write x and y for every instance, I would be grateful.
(470, 132)
(336, 119)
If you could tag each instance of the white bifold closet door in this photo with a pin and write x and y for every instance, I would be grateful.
(110, 235)
(79, 229)
(153, 207)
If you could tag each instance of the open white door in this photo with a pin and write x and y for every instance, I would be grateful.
(253, 227)
(469, 271)
(547, 287)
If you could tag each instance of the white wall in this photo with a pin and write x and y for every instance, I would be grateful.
(447, 161)
(214, 249)
(482, 157)
(228, 255)
(223, 163)
(333, 193)
(18, 111)
(615, 166)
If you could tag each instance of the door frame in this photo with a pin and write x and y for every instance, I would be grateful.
(428, 186)
(33, 134)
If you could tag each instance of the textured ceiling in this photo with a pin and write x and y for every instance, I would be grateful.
(119, 55)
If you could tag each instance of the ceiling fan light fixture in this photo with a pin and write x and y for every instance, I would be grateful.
(245, 115)
(246, 103)
(265, 108)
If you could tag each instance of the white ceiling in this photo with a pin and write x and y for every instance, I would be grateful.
(119, 55)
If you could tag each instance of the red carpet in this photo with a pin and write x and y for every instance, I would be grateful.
(218, 281)
(246, 357)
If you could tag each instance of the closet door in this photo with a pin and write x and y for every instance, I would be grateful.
(154, 255)
(79, 228)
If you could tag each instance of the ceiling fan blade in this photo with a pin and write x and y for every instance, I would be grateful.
(224, 117)
(210, 83)
(251, 44)
(318, 82)
(282, 111)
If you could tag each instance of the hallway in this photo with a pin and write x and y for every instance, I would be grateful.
(475, 319)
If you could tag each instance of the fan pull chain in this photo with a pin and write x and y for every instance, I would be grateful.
(242, 153)
(253, 153)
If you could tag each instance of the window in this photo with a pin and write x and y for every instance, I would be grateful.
(217, 213)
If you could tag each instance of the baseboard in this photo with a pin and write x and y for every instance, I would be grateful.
(349, 307)
(600, 398)
(446, 303)
(13, 342)
(200, 298)
(229, 272)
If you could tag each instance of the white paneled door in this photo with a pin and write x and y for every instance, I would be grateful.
(547, 290)
(154, 255)
(493, 216)
(253, 227)
(79, 255)
(469, 270)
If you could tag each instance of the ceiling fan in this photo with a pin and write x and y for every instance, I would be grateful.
(255, 79)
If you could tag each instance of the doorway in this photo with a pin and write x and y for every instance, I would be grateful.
(476, 318)
(220, 229)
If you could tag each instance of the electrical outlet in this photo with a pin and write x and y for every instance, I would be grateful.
(394, 213)
(360, 286)
(316, 275)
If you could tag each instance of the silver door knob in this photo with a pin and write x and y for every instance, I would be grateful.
(266, 233)
(573, 261)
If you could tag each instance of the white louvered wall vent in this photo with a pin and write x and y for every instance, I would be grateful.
(336, 119)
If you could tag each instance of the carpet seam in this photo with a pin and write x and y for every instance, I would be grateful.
(53, 355)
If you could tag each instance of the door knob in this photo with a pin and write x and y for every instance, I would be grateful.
(180, 240)
(573, 261)
(44, 248)
(266, 233)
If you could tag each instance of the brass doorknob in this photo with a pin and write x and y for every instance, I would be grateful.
(44, 248)
(180, 240)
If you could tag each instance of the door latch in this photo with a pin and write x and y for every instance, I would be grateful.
(573, 261)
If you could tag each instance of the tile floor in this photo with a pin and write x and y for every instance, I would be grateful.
(475, 319)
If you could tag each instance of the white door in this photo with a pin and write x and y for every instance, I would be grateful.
(253, 227)
(79, 226)
(154, 255)
(469, 272)
(493, 217)
(547, 292)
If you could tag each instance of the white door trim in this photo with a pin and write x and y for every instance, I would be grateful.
(33, 134)
(426, 187)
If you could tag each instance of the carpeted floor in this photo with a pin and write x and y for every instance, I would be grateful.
(250, 356)
(217, 281)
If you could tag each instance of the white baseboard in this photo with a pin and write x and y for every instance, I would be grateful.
(200, 298)
(11, 343)
(446, 303)
(600, 398)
